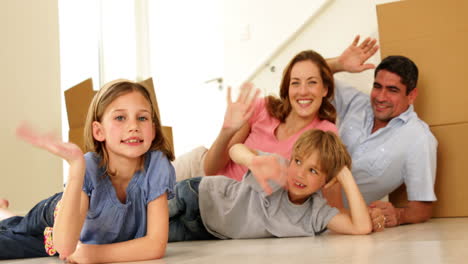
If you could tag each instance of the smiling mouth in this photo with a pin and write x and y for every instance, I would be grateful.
(381, 107)
(304, 102)
(300, 185)
(132, 141)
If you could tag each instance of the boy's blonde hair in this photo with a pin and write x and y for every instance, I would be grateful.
(103, 98)
(332, 152)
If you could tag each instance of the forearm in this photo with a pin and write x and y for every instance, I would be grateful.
(69, 221)
(358, 211)
(139, 249)
(217, 156)
(335, 65)
(242, 155)
(414, 212)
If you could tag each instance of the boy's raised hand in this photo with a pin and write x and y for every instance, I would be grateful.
(269, 167)
(68, 151)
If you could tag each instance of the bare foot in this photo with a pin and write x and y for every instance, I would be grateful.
(4, 212)
(4, 203)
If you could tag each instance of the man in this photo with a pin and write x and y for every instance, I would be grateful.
(388, 143)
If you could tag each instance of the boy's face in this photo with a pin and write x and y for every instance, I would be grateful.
(304, 177)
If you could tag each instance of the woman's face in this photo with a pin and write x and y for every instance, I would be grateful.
(306, 89)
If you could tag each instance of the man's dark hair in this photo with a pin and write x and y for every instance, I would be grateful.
(403, 67)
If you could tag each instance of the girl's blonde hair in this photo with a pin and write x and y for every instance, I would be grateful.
(332, 152)
(281, 107)
(103, 98)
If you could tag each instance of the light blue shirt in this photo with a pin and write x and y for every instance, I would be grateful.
(404, 151)
(110, 221)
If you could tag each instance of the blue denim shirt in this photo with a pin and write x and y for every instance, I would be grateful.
(402, 152)
(110, 221)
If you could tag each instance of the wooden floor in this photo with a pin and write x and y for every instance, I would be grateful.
(437, 241)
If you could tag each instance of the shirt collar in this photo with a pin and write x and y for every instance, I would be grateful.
(405, 116)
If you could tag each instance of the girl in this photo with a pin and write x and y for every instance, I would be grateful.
(114, 206)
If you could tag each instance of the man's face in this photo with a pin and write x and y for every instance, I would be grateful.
(388, 97)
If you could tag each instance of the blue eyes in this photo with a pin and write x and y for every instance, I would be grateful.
(122, 118)
(311, 170)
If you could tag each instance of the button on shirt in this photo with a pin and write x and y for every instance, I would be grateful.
(404, 151)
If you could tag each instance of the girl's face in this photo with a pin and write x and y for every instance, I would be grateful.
(126, 127)
(306, 89)
(304, 177)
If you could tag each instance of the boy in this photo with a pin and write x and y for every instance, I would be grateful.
(257, 207)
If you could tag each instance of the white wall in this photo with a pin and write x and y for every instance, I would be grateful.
(254, 30)
(329, 32)
(30, 74)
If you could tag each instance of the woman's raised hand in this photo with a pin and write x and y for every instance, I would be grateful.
(238, 112)
(68, 151)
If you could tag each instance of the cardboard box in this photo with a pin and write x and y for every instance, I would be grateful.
(452, 169)
(77, 100)
(433, 33)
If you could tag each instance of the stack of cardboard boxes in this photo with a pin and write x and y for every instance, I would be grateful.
(434, 33)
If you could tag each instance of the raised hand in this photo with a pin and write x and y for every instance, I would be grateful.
(354, 57)
(238, 112)
(68, 151)
(270, 167)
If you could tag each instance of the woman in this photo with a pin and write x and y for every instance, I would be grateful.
(273, 124)
(270, 124)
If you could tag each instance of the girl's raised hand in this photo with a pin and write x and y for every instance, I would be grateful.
(68, 151)
(238, 112)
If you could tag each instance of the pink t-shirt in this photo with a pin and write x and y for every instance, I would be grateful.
(262, 137)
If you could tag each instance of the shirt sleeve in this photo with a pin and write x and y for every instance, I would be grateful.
(90, 173)
(322, 213)
(160, 176)
(344, 97)
(420, 169)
